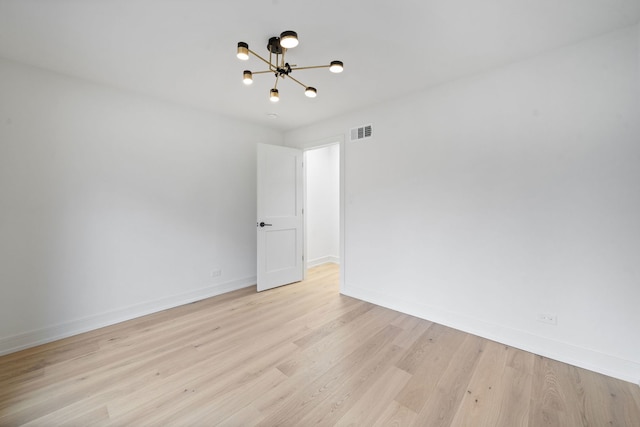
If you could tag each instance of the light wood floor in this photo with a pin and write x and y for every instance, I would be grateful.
(299, 355)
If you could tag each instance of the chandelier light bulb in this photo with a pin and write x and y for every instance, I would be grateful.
(336, 66)
(288, 39)
(243, 51)
(274, 96)
(247, 77)
(311, 92)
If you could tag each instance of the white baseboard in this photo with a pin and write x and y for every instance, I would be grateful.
(63, 330)
(577, 356)
(323, 260)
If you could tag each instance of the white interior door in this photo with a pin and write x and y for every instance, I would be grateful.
(279, 225)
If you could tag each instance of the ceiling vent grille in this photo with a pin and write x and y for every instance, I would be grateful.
(362, 132)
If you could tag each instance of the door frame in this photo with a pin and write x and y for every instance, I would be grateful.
(321, 143)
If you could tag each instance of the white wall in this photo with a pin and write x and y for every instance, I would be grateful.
(483, 202)
(113, 205)
(323, 203)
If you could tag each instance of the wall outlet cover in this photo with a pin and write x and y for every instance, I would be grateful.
(550, 318)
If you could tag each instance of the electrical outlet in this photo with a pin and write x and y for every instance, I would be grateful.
(216, 273)
(550, 318)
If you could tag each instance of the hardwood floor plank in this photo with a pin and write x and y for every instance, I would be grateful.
(632, 390)
(318, 358)
(313, 362)
(620, 410)
(515, 391)
(396, 415)
(557, 395)
(427, 361)
(312, 394)
(246, 417)
(442, 403)
(212, 408)
(366, 411)
(479, 406)
(95, 417)
(412, 329)
(421, 348)
(213, 377)
(348, 394)
(318, 333)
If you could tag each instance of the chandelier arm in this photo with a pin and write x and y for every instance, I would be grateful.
(275, 86)
(262, 72)
(271, 67)
(308, 68)
(298, 81)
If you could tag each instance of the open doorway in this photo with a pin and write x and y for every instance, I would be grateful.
(322, 205)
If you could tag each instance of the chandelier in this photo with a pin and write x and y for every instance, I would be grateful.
(278, 47)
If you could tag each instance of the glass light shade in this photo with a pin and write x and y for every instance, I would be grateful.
(243, 51)
(274, 96)
(311, 92)
(288, 39)
(336, 66)
(247, 77)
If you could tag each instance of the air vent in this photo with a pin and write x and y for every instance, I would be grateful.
(362, 132)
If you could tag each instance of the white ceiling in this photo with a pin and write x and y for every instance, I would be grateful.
(184, 50)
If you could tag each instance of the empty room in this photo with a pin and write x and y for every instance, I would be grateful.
(295, 213)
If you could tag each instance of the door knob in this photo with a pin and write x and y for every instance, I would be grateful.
(263, 224)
